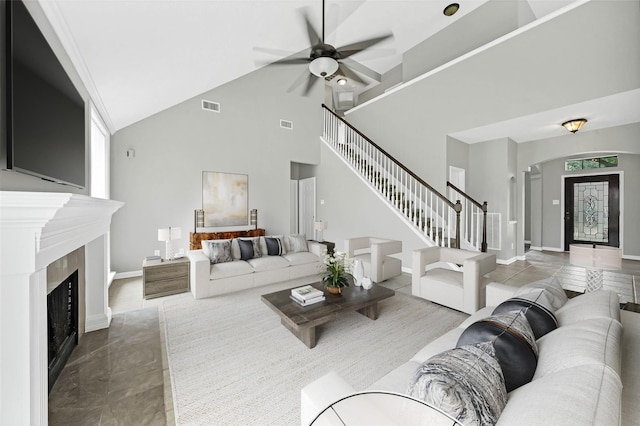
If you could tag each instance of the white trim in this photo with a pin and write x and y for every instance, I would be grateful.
(527, 241)
(98, 322)
(536, 248)
(556, 249)
(630, 257)
(130, 274)
(510, 260)
(59, 24)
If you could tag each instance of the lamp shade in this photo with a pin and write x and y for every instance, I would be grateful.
(320, 225)
(169, 234)
(600, 257)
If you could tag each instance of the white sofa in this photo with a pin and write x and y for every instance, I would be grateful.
(586, 372)
(464, 289)
(375, 255)
(209, 279)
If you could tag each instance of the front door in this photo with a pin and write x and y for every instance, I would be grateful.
(592, 210)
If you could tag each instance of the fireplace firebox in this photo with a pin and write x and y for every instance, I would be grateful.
(62, 321)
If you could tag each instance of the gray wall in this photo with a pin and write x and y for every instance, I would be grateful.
(162, 185)
(14, 181)
(486, 23)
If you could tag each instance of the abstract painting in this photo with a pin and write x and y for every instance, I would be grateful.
(225, 199)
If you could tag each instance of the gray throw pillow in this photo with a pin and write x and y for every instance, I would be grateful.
(275, 247)
(219, 251)
(297, 243)
(249, 248)
(465, 383)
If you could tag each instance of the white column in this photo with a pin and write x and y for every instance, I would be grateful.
(98, 313)
(23, 336)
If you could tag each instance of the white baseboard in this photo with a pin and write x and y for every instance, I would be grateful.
(407, 270)
(556, 249)
(110, 277)
(131, 274)
(98, 322)
(510, 261)
(527, 242)
(630, 257)
(536, 248)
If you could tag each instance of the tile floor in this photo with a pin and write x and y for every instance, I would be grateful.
(120, 376)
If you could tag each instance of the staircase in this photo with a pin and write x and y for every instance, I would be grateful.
(430, 214)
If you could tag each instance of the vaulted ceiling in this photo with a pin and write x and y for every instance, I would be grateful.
(139, 57)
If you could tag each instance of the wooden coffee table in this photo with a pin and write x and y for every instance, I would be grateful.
(303, 320)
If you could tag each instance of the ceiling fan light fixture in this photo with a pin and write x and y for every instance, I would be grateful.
(341, 81)
(451, 9)
(574, 125)
(323, 66)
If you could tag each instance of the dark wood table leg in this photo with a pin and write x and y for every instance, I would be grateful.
(307, 334)
(370, 311)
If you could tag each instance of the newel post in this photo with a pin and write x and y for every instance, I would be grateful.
(484, 227)
(458, 209)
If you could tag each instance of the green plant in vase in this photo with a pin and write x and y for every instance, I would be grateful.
(337, 272)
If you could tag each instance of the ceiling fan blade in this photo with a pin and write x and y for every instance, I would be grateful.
(311, 81)
(345, 71)
(314, 38)
(299, 80)
(276, 52)
(353, 48)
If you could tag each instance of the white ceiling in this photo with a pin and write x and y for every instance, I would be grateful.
(139, 57)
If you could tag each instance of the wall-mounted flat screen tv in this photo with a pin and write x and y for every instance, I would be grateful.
(45, 113)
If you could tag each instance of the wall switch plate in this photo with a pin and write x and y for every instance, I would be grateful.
(555, 202)
(156, 252)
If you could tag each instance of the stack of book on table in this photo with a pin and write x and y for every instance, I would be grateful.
(306, 295)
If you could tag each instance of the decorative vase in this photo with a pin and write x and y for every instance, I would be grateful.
(358, 272)
(366, 283)
(334, 290)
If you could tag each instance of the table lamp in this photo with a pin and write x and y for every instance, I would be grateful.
(595, 258)
(168, 235)
(319, 227)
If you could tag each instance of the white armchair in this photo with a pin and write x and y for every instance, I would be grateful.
(374, 255)
(463, 290)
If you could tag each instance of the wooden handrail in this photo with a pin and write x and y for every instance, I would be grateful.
(482, 206)
(392, 158)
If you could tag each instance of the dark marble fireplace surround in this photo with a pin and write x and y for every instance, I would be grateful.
(59, 273)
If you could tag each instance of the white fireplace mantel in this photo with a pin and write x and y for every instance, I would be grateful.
(37, 228)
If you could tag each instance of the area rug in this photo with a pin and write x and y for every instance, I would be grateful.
(233, 363)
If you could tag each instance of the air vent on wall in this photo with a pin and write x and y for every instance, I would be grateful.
(286, 124)
(210, 106)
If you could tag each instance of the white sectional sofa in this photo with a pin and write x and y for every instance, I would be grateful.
(586, 373)
(211, 279)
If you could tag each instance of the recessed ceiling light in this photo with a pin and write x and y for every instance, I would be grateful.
(451, 9)
(341, 81)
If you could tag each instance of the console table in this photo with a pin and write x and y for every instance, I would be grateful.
(196, 238)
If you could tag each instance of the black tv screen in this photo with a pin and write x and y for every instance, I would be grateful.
(45, 112)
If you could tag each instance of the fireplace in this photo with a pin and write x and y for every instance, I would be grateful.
(62, 325)
(46, 237)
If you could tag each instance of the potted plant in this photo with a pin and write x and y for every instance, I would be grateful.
(337, 273)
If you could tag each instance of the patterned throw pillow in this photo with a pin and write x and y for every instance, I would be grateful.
(465, 382)
(249, 248)
(219, 250)
(514, 342)
(537, 307)
(275, 246)
(297, 243)
(556, 293)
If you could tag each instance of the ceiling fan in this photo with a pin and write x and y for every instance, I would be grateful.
(325, 60)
